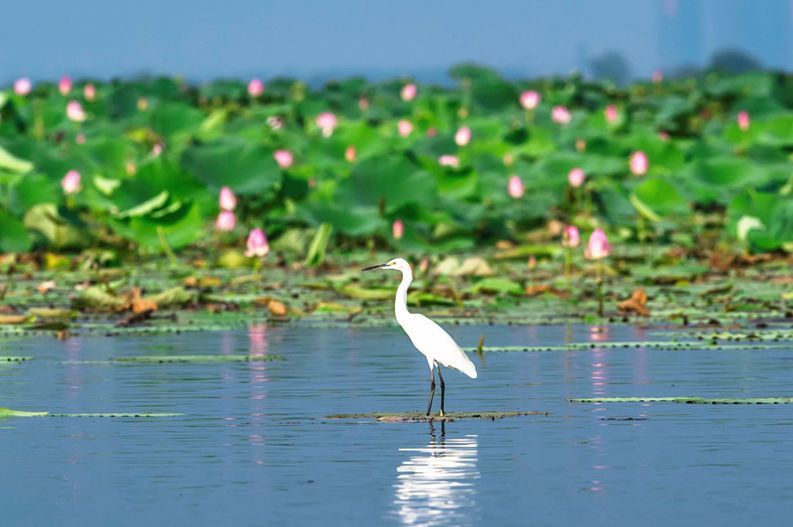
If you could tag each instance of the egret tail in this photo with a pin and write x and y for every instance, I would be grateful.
(466, 366)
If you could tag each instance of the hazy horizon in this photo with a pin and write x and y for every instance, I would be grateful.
(204, 39)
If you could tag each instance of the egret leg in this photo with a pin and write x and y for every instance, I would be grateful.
(432, 390)
(443, 391)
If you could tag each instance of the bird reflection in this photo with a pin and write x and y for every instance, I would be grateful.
(436, 485)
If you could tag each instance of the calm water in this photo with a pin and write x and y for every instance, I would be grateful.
(253, 448)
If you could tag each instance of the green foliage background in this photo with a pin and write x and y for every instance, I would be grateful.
(708, 175)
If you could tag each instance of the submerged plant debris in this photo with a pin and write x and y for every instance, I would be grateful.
(686, 400)
(417, 417)
(196, 294)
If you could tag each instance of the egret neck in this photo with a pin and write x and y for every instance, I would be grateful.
(401, 301)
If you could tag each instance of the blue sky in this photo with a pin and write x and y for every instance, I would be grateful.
(205, 39)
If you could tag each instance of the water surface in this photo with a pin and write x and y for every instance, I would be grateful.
(253, 447)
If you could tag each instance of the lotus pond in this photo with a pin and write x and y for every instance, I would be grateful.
(152, 372)
(206, 441)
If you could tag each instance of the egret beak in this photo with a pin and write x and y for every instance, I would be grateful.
(373, 267)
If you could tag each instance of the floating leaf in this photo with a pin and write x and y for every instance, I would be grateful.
(416, 417)
(686, 400)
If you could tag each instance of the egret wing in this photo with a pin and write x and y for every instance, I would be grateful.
(433, 341)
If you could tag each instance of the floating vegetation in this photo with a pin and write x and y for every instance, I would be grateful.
(7, 412)
(11, 358)
(656, 345)
(686, 400)
(196, 359)
(417, 417)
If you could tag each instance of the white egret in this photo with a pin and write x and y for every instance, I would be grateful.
(427, 336)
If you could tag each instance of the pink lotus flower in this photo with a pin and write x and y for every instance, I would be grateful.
(363, 104)
(449, 161)
(227, 199)
(432, 131)
(463, 136)
(284, 158)
(561, 115)
(226, 221)
(576, 177)
(397, 229)
(157, 149)
(327, 123)
(255, 88)
(71, 182)
(409, 92)
(80, 138)
(743, 120)
(639, 163)
(257, 244)
(598, 246)
(350, 154)
(570, 237)
(612, 114)
(515, 187)
(404, 127)
(663, 135)
(65, 85)
(89, 92)
(22, 86)
(530, 99)
(658, 76)
(75, 112)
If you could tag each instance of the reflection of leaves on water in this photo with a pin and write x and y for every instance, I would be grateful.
(437, 483)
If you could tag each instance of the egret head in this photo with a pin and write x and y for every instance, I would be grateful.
(397, 264)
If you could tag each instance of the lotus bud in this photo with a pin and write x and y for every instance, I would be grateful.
(257, 244)
(743, 120)
(65, 85)
(515, 187)
(227, 199)
(23, 86)
(561, 115)
(71, 182)
(75, 112)
(570, 237)
(255, 88)
(226, 221)
(284, 158)
(529, 99)
(576, 177)
(350, 154)
(409, 92)
(404, 127)
(612, 114)
(397, 229)
(463, 136)
(327, 123)
(639, 163)
(89, 92)
(598, 246)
